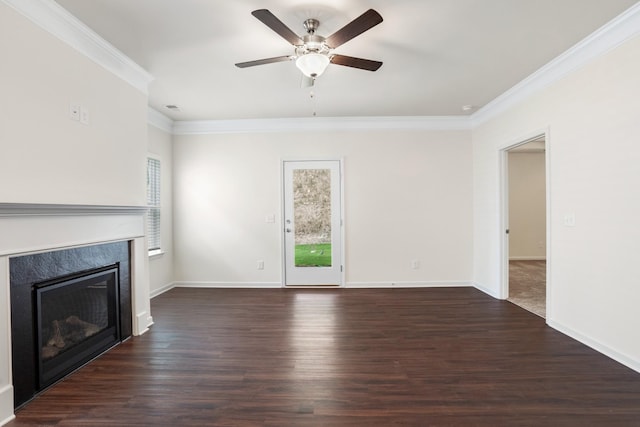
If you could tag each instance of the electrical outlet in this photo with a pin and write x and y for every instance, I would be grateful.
(415, 264)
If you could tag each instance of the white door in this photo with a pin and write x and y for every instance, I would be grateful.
(312, 223)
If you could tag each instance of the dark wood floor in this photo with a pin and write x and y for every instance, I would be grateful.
(291, 357)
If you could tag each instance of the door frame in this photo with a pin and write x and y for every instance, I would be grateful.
(283, 254)
(503, 154)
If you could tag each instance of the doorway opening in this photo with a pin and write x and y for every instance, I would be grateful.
(525, 213)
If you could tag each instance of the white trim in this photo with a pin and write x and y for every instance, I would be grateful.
(318, 124)
(159, 120)
(611, 35)
(626, 360)
(487, 290)
(53, 18)
(6, 402)
(227, 285)
(156, 253)
(399, 284)
(407, 284)
(154, 293)
(143, 321)
(549, 223)
(343, 224)
(503, 165)
(503, 195)
(35, 209)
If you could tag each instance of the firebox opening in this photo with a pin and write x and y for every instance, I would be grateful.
(76, 318)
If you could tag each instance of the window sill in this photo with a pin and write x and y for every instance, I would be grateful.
(156, 253)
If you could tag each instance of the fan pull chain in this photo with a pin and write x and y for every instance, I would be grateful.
(312, 96)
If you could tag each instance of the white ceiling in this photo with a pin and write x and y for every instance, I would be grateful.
(438, 55)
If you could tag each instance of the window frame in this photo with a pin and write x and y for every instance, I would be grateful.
(154, 206)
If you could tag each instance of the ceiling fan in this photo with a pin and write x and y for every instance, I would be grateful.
(312, 52)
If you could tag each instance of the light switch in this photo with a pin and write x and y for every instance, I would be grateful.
(569, 220)
(74, 112)
(84, 115)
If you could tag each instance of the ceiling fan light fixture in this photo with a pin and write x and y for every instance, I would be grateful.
(312, 64)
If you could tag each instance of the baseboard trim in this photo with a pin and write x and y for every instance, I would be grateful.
(143, 321)
(487, 290)
(6, 404)
(528, 258)
(162, 290)
(7, 420)
(239, 285)
(402, 284)
(628, 361)
(272, 285)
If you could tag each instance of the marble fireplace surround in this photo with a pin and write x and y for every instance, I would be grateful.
(33, 228)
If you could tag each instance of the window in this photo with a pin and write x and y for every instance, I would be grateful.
(153, 202)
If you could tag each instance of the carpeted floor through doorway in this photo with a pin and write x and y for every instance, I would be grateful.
(527, 285)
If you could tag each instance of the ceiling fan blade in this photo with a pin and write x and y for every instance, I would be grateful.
(350, 61)
(362, 23)
(264, 61)
(270, 20)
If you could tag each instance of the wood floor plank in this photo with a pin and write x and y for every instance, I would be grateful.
(342, 357)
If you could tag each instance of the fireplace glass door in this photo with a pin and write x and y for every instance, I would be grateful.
(77, 319)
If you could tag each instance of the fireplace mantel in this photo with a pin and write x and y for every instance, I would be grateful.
(27, 228)
(36, 209)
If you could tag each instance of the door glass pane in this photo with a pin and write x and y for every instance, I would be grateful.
(312, 217)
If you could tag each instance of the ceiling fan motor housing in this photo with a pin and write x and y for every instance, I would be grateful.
(311, 25)
(312, 43)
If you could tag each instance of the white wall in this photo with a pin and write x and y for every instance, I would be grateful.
(527, 206)
(44, 156)
(161, 266)
(592, 118)
(407, 197)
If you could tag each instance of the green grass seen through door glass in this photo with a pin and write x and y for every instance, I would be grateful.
(318, 255)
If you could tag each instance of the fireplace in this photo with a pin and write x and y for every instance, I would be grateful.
(76, 319)
(42, 242)
(67, 307)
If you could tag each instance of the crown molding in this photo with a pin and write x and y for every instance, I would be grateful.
(53, 18)
(159, 120)
(318, 124)
(617, 31)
